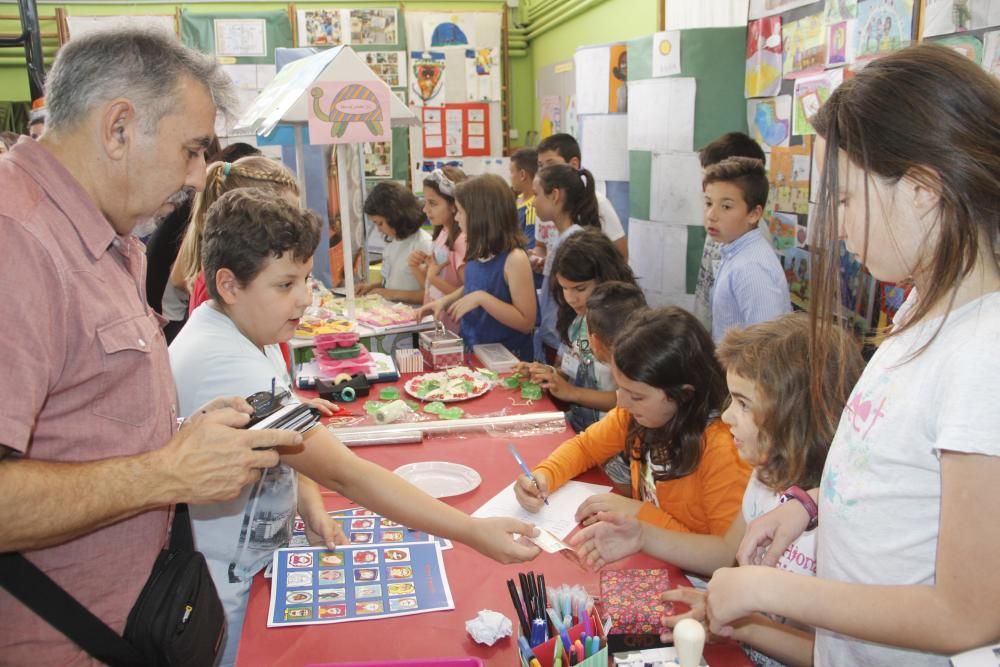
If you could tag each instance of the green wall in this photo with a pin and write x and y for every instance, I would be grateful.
(610, 21)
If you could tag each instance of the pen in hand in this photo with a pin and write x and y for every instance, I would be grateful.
(520, 462)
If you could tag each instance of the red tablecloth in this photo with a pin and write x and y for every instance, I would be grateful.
(476, 582)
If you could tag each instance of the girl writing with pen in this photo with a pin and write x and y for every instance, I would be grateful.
(686, 475)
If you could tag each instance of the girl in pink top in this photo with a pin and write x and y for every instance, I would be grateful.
(444, 271)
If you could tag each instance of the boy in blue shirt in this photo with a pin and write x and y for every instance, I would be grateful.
(257, 252)
(750, 285)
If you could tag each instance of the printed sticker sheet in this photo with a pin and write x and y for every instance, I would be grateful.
(314, 586)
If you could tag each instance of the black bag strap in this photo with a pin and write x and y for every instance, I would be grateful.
(38, 592)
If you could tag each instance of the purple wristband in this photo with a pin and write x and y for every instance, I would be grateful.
(795, 492)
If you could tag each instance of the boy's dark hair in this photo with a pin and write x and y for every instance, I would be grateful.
(586, 255)
(745, 173)
(563, 144)
(245, 227)
(526, 159)
(730, 144)
(398, 206)
(669, 349)
(609, 307)
(491, 216)
(577, 186)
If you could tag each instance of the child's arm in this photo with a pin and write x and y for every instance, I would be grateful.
(520, 313)
(537, 256)
(586, 450)
(557, 385)
(435, 307)
(955, 613)
(327, 461)
(321, 530)
(405, 296)
(616, 536)
(785, 643)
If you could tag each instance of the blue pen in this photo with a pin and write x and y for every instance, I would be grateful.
(520, 462)
(525, 648)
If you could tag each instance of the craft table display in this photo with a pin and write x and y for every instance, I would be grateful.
(476, 582)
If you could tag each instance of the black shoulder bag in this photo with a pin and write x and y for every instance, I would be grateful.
(177, 619)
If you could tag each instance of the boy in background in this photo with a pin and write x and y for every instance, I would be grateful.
(608, 308)
(523, 167)
(750, 285)
(730, 144)
(562, 148)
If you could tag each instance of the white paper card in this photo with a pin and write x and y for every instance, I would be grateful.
(593, 68)
(557, 517)
(666, 53)
(661, 114)
(658, 255)
(604, 144)
(675, 188)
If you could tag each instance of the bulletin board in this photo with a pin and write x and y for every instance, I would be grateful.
(456, 69)
(377, 34)
(821, 45)
(674, 109)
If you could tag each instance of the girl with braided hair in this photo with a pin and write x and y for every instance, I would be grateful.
(253, 171)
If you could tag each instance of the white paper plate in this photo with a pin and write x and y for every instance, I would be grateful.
(440, 478)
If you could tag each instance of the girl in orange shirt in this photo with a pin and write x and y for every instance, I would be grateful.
(686, 474)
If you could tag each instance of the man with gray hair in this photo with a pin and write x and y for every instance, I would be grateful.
(91, 456)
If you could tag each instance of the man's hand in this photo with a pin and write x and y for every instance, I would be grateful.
(213, 458)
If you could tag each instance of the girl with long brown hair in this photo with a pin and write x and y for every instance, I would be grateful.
(908, 501)
(686, 475)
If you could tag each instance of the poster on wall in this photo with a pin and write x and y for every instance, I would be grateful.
(348, 112)
(428, 78)
(770, 120)
(967, 45)
(788, 173)
(804, 46)
(810, 93)
(432, 121)
(448, 30)
(763, 61)
(841, 10)
(321, 27)
(240, 38)
(374, 26)
(482, 75)
(456, 130)
(572, 122)
(551, 110)
(943, 17)
(840, 43)
(666, 53)
(378, 159)
(618, 80)
(390, 66)
(882, 26)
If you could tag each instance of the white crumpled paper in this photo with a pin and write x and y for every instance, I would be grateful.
(488, 627)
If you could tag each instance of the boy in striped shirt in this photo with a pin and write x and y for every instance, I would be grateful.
(750, 285)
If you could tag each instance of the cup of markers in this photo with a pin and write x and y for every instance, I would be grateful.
(558, 627)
